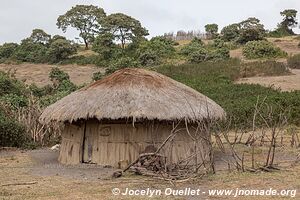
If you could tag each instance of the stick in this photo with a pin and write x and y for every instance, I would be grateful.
(25, 183)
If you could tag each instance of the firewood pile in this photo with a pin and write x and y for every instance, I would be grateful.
(154, 165)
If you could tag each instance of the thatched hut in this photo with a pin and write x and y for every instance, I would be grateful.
(130, 112)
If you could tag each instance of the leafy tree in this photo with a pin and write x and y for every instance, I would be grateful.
(7, 49)
(124, 28)
(251, 29)
(212, 30)
(230, 32)
(39, 36)
(85, 18)
(289, 20)
(56, 37)
(60, 49)
(105, 46)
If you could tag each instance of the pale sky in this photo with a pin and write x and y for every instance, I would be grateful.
(19, 17)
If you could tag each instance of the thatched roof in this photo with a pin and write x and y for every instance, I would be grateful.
(136, 94)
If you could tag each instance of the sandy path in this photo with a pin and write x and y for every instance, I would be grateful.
(285, 83)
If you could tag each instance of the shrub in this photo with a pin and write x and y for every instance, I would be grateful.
(153, 51)
(10, 85)
(195, 45)
(262, 49)
(7, 49)
(12, 134)
(97, 76)
(294, 61)
(219, 54)
(198, 56)
(15, 101)
(28, 51)
(59, 50)
(57, 75)
(121, 63)
(149, 58)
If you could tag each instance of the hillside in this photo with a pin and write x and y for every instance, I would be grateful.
(39, 73)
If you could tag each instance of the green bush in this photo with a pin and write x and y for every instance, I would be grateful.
(294, 61)
(12, 134)
(149, 58)
(197, 51)
(219, 54)
(121, 63)
(28, 51)
(59, 50)
(279, 32)
(195, 45)
(152, 52)
(262, 49)
(7, 49)
(58, 75)
(198, 55)
(97, 76)
(14, 100)
(10, 85)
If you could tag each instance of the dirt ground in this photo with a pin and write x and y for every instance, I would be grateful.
(39, 73)
(288, 44)
(36, 174)
(285, 83)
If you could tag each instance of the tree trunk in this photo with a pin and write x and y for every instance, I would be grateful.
(86, 46)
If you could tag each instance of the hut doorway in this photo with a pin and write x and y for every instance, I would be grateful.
(87, 147)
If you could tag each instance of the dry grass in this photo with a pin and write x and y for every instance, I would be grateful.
(288, 44)
(38, 73)
(285, 83)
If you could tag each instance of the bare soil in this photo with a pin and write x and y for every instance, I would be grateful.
(36, 174)
(39, 73)
(285, 83)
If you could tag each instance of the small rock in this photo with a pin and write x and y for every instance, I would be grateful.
(55, 147)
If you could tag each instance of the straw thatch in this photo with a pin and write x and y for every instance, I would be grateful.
(134, 94)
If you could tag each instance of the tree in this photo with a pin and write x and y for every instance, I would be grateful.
(212, 30)
(230, 32)
(289, 20)
(60, 49)
(251, 29)
(85, 18)
(105, 46)
(124, 28)
(39, 36)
